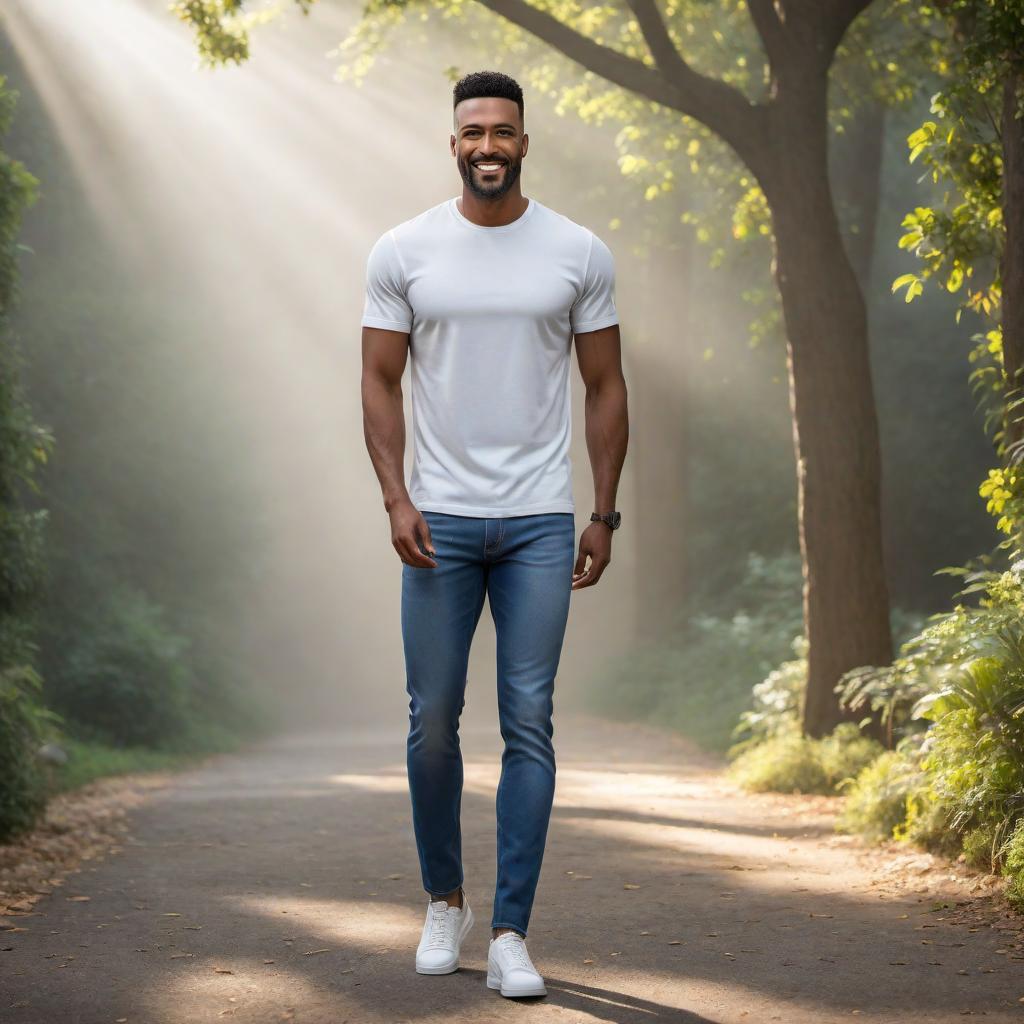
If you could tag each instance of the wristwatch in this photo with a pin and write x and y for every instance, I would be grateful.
(611, 518)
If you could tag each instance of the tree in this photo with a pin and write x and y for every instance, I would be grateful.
(781, 136)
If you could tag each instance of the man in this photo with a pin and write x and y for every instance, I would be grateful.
(486, 292)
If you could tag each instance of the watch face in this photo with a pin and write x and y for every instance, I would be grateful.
(615, 519)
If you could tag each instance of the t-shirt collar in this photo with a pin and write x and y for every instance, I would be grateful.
(518, 222)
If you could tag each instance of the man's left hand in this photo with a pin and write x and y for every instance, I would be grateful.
(595, 541)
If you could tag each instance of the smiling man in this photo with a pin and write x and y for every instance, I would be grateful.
(486, 292)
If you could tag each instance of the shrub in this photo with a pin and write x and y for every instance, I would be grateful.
(790, 763)
(876, 798)
(25, 786)
(24, 448)
(783, 763)
(126, 681)
(957, 692)
(698, 681)
(777, 700)
(845, 752)
(979, 848)
(1013, 866)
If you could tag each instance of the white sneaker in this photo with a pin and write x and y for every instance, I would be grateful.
(510, 969)
(443, 932)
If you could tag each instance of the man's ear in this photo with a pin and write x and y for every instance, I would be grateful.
(526, 142)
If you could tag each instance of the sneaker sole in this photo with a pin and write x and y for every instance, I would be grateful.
(495, 983)
(466, 925)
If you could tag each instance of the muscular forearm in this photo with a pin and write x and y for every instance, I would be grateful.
(384, 430)
(607, 430)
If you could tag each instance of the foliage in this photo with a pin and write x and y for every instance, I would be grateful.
(24, 449)
(788, 762)
(963, 677)
(777, 699)
(784, 764)
(974, 752)
(24, 725)
(127, 681)
(979, 847)
(929, 659)
(156, 532)
(963, 234)
(956, 697)
(222, 27)
(876, 797)
(89, 760)
(1013, 867)
(959, 238)
(699, 678)
(682, 172)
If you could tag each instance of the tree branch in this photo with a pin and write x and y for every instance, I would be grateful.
(769, 27)
(674, 84)
(669, 60)
(836, 17)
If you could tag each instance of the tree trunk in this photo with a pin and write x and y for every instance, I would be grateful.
(857, 171)
(1013, 257)
(835, 430)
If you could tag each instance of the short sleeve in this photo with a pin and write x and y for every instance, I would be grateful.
(595, 307)
(386, 305)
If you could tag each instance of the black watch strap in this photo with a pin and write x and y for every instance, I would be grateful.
(611, 519)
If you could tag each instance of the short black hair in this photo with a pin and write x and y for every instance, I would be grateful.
(488, 83)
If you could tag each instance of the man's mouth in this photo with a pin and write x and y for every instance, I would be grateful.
(490, 167)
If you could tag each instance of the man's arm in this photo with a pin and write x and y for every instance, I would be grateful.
(607, 430)
(607, 419)
(384, 358)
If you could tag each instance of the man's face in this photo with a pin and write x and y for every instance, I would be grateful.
(488, 131)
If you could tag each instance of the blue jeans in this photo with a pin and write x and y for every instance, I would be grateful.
(524, 564)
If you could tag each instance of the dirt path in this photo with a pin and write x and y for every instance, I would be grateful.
(282, 885)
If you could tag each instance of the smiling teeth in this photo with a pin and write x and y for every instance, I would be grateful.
(489, 167)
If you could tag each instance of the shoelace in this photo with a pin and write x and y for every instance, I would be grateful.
(441, 923)
(517, 953)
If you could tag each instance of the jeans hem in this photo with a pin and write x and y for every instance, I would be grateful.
(460, 885)
(508, 924)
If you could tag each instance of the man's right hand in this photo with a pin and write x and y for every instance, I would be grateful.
(408, 528)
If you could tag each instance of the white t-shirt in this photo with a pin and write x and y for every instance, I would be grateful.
(491, 313)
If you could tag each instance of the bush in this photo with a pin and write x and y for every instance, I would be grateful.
(845, 752)
(783, 763)
(979, 847)
(791, 763)
(126, 682)
(876, 798)
(777, 700)
(956, 692)
(974, 750)
(24, 448)
(698, 681)
(25, 785)
(1013, 866)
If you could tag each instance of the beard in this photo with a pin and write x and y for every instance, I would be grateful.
(480, 186)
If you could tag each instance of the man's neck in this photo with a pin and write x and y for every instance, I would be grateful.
(493, 213)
